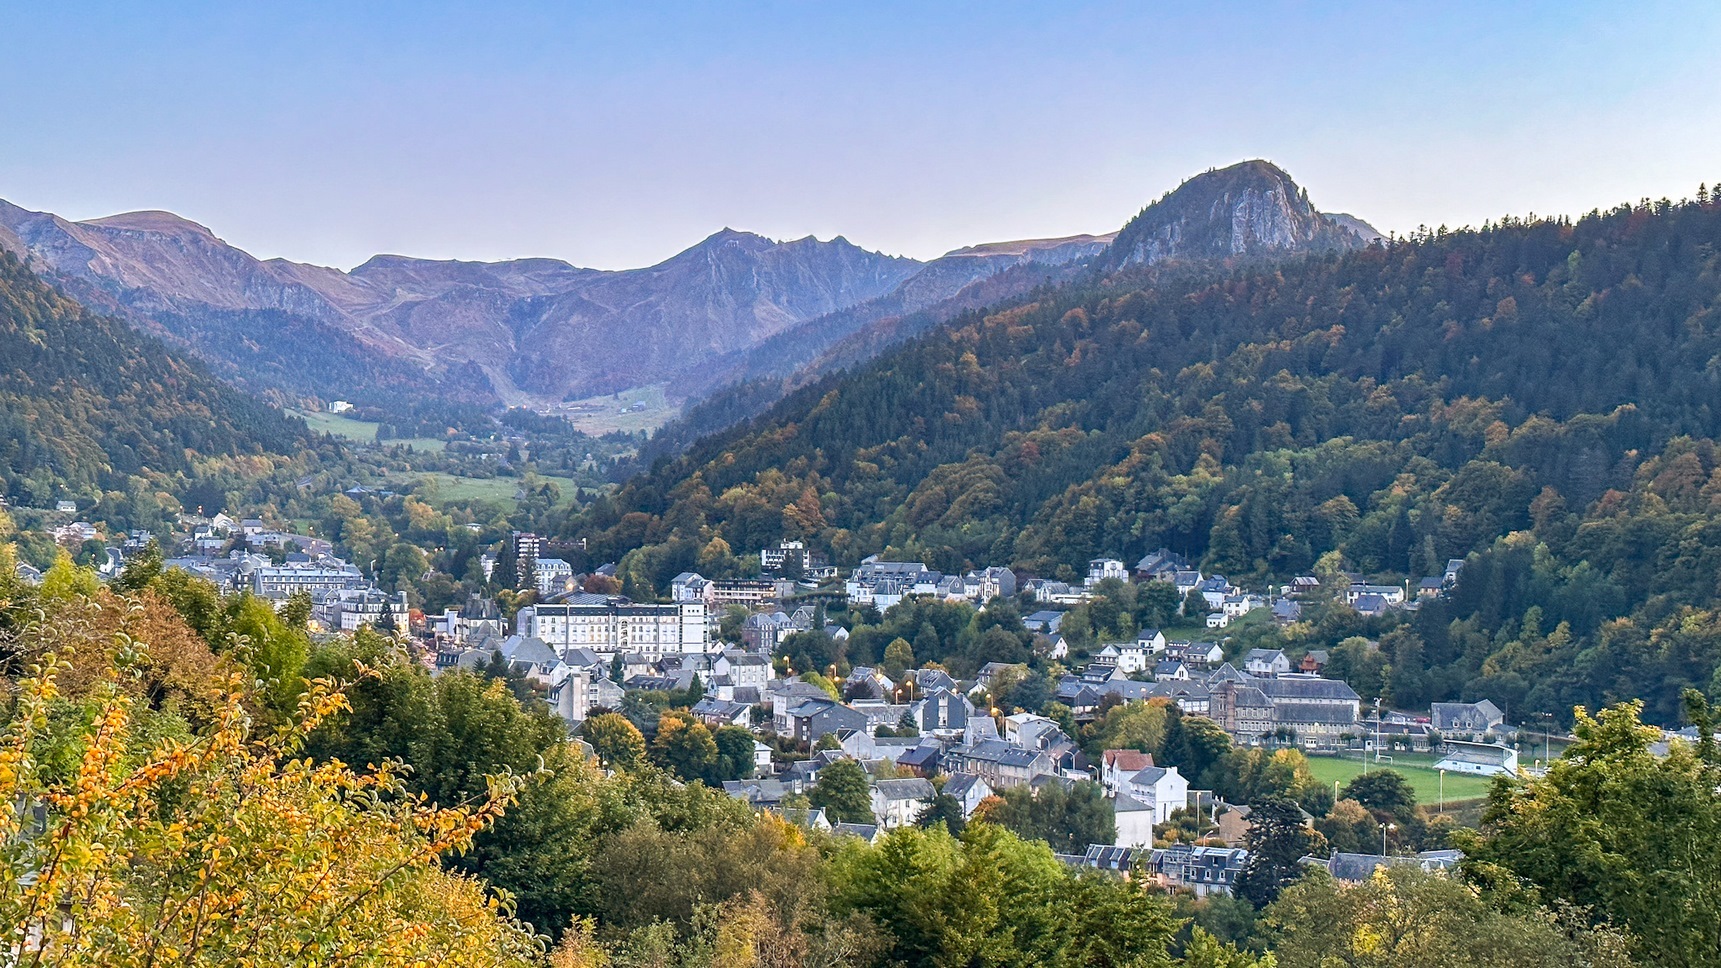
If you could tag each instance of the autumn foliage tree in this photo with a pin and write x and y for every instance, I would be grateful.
(129, 839)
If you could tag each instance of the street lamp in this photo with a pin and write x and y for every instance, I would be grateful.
(1383, 829)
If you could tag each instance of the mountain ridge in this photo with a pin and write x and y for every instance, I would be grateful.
(735, 306)
(1250, 210)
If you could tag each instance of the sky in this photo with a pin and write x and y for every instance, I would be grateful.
(616, 135)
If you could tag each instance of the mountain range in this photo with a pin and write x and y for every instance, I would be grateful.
(734, 307)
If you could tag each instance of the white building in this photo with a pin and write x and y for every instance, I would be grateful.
(1479, 759)
(554, 575)
(1100, 569)
(280, 581)
(352, 609)
(609, 625)
(1135, 821)
(899, 803)
(1162, 789)
(1128, 657)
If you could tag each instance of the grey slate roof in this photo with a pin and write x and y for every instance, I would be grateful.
(1305, 687)
(914, 788)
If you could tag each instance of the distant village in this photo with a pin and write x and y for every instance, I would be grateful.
(586, 652)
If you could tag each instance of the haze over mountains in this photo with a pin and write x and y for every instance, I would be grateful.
(532, 331)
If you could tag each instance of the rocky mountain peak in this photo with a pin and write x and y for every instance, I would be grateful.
(1252, 208)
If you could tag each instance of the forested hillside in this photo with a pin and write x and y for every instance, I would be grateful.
(86, 403)
(1540, 394)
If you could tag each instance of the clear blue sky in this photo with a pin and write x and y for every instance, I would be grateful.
(615, 135)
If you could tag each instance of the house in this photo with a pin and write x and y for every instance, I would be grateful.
(1044, 621)
(555, 576)
(1168, 670)
(898, 803)
(795, 554)
(715, 712)
(921, 760)
(1237, 606)
(1465, 718)
(1128, 658)
(1117, 766)
(1185, 582)
(925, 682)
(968, 790)
(1393, 595)
(1152, 641)
(1105, 857)
(1161, 565)
(812, 719)
(884, 583)
(1034, 732)
(1266, 662)
(1192, 698)
(1216, 589)
(1371, 606)
(1049, 592)
(1287, 610)
(1162, 789)
(1357, 868)
(534, 658)
(761, 757)
(1002, 765)
(988, 583)
(1302, 585)
(1083, 696)
(1218, 620)
(1479, 759)
(866, 682)
(1101, 569)
(866, 831)
(990, 674)
(1234, 825)
(787, 694)
(1430, 587)
(943, 713)
(1195, 655)
(1134, 820)
(763, 793)
(1449, 578)
(763, 632)
(689, 587)
(1201, 870)
(880, 713)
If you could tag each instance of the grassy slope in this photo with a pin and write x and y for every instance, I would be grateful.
(499, 490)
(330, 423)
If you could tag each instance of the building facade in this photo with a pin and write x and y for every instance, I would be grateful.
(609, 625)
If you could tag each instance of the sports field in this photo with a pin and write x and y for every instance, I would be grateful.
(1417, 768)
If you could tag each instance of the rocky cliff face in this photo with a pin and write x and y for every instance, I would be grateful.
(1251, 209)
(958, 280)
